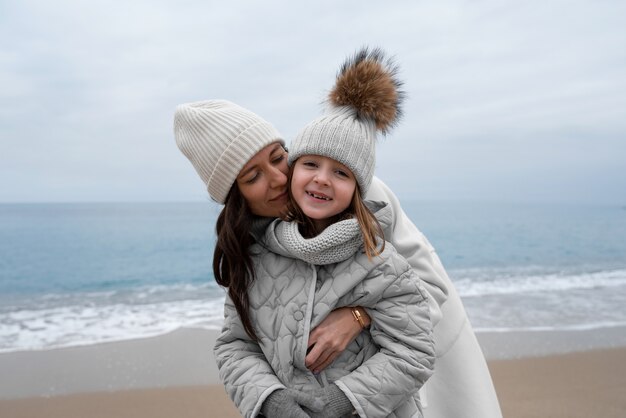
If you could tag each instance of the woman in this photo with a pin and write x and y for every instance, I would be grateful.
(241, 156)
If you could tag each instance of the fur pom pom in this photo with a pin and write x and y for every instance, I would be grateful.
(368, 83)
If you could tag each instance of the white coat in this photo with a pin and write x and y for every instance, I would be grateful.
(461, 386)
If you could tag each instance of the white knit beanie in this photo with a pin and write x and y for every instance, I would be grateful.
(366, 99)
(219, 138)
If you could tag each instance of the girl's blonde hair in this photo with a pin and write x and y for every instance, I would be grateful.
(372, 232)
(370, 227)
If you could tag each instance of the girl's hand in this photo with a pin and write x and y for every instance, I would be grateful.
(332, 336)
(290, 403)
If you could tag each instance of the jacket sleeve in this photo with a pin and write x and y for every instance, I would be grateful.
(411, 244)
(402, 330)
(243, 368)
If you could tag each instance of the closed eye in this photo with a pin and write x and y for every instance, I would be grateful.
(252, 179)
(278, 159)
(278, 155)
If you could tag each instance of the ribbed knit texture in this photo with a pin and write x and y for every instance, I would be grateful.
(334, 244)
(219, 138)
(340, 135)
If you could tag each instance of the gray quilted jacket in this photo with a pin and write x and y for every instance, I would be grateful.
(297, 283)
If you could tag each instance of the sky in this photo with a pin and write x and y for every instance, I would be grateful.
(506, 100)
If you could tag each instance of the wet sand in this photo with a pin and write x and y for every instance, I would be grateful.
(568, 374)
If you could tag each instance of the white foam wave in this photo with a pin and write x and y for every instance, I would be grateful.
(74, 325)
(492, 282)
(65, 320)
(578, 327)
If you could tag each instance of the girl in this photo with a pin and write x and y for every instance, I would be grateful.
(330, 253)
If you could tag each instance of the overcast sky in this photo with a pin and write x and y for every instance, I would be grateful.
(522, 101)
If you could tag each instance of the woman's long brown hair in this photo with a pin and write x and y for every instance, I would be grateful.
(232, 264)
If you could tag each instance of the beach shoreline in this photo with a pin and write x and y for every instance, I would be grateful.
(568, 373)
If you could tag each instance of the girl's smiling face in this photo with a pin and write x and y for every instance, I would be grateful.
(322, 188)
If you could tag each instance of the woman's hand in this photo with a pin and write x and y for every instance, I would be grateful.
(332, 336)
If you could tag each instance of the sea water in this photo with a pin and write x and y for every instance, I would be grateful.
(79, 274)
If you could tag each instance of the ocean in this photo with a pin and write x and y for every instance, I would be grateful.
(80, 274)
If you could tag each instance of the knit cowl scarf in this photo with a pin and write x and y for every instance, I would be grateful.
(336, 243)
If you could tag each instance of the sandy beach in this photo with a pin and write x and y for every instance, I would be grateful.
(537, 374)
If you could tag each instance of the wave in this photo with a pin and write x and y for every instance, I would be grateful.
(578, 327)
(66, 320)
(68, 326)
(484, 282)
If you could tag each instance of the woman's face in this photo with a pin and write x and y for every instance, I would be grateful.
(263, 181)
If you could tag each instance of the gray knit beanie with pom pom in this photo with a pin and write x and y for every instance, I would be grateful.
(365, 99)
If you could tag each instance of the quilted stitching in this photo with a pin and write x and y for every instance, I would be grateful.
(380, 371)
